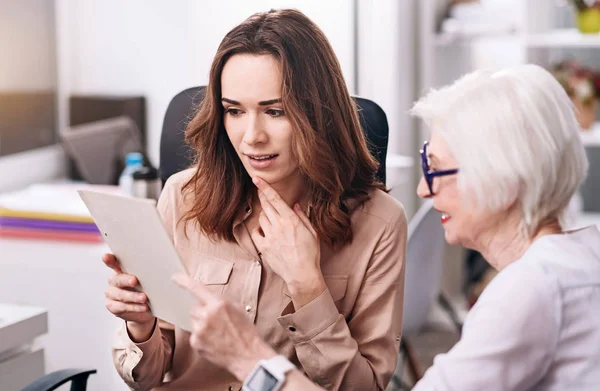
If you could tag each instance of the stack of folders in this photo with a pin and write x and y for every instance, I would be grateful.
(48, 212)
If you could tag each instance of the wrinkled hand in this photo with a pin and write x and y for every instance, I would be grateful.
(221, 332)
(289, 244)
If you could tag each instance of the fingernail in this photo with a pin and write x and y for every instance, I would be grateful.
(256, 180)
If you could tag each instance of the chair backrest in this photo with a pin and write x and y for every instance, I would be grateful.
(176, 155)
(424, 261)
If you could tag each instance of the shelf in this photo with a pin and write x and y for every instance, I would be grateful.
(453, 33)
(591, 138)
(563, 38)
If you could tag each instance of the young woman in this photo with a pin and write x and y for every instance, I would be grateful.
(282, 215)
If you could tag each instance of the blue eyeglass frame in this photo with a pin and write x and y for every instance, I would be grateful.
(427, 173)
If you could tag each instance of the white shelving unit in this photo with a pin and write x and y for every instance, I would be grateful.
(539, 37)
(562, 38)
(545, 43)
(445, 56)
(466, 34)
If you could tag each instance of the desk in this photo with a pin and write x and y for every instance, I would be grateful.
(20, 362)
(69, 280)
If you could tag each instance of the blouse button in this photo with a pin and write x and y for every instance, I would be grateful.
(248, 308)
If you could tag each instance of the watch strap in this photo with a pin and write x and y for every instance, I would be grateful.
(276, 366)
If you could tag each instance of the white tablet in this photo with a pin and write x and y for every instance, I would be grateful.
(133, 230)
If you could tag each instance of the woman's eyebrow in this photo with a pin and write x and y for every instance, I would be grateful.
(269, 102)
(261, 103)
(230, 101)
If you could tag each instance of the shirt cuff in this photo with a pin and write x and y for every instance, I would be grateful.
(152, 344)
(311, 319)
(135, 351)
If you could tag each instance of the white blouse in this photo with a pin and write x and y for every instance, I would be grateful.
(535, 327)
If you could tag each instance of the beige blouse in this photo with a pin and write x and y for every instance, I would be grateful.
(347, 338)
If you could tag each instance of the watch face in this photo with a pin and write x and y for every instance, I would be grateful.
(262, 381)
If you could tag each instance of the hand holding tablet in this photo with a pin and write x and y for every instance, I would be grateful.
(133, 230)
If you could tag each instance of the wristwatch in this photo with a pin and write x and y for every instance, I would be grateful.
(268, 375)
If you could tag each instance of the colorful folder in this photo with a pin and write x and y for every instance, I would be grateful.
(49, 212)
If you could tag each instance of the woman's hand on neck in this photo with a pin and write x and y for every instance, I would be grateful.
(289, 244)
(292, 190)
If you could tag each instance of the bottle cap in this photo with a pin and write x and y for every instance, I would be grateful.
(133, 158)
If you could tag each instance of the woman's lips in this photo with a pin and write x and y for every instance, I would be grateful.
(261, 162)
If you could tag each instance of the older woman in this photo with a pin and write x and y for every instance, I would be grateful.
(502, 164)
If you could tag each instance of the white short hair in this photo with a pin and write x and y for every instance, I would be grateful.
(516, 138)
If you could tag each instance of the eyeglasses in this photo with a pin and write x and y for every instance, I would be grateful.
(427, 173)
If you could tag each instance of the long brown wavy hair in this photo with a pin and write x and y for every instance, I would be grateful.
(328, 141)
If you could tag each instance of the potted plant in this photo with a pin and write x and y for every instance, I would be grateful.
(583, 87)
(588, 15)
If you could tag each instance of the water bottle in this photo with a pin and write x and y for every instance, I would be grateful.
(133, 161)
(146, 183)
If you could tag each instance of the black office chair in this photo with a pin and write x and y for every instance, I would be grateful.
(176, 155)
(51, 381)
